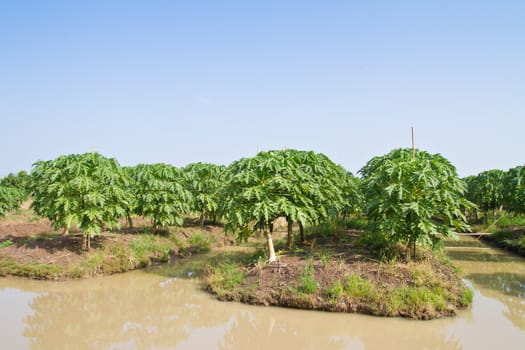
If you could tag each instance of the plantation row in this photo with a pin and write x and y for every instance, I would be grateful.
(497, 189)
(407, 195)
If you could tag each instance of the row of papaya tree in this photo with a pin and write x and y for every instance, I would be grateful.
(14, 189)
(495, 190)
(408, 195)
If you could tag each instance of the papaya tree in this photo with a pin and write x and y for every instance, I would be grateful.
(278, 183)
(87, 190)
(10, 199)
(470, 194)
(160, 194)
(19, 181)
(324, 183)
(413, 196)
(131, 209)
(205, 181)
(486, 191)
(514, 190)
(352, 196)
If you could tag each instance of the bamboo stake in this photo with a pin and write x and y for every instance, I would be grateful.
(413, 144)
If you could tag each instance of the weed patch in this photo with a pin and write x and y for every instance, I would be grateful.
(6, 243)
(199, 242)
(224, 277)
(9, 266)
(307, 282)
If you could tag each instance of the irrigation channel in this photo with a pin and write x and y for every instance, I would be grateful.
(161, 308)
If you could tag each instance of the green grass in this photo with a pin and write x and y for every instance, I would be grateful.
(111, 258)
(324, 229)
(511, 239)
(504, 222)
(335, 291)
(379, 244)
(423, 276)
(359, 288)
(425, 296)
(308, 284)
(509, 221)
(8, 266)
(466, 297)
(145, 246)
(411, 301)
(324, 256)
(224, 277)
(114, 258)
(6, 243)
(353, 287)
(357, 223)
(199, 242)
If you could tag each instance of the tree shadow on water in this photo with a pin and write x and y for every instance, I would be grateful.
(481, 256)
(511, 284)
(508, 288)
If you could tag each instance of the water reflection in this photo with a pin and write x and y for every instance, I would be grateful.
(496, 274)
(132, 313)
(293, 329)
(512, 284)
(146, 312)
(509, 288)
(485, 254)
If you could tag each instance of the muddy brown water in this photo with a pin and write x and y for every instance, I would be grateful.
(162, 308)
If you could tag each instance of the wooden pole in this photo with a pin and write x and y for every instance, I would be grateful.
(413, 144)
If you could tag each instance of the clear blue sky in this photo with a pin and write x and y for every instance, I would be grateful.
(211, 81)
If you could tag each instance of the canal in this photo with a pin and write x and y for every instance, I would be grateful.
(163, 308)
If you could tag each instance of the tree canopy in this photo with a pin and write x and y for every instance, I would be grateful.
(87, 190)
(352, 196)
(414, 196)
(19, 181)
(160, 194)
(10, 199)
(486, 190)
(514, 189)
(205, 181)
(302, 186)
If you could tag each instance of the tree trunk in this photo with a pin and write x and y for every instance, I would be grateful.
(290, 233)
(66, 231)
(130, 221)
(301, 232)
(411, 250)
(202, 219)
(271, 250)
(86, 242)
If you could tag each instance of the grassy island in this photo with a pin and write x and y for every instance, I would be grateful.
(339, 272)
